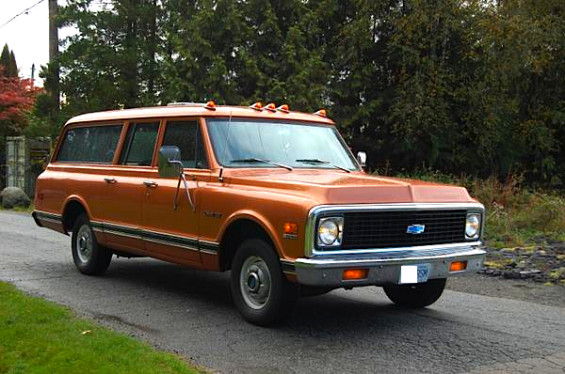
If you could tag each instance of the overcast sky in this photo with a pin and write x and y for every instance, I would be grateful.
(28, 34)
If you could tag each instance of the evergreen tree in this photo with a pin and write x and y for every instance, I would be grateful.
(467, 86)
(112, 61)
(8, 61)
(13, 67)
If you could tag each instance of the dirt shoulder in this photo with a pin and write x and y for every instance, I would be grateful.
(525, 290)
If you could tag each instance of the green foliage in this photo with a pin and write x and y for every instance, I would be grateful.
(516, 214)
(468, 86)
(37, 336)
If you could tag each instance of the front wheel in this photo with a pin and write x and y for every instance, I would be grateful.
(417, 295)
(89, 257)
(259, 288)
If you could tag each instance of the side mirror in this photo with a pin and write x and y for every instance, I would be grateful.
(362, 158)
(169, 162)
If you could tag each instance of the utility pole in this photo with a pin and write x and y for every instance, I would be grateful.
(53, 53)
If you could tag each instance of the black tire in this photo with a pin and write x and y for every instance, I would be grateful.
(256, 258)
(417, 295)
(92, 259)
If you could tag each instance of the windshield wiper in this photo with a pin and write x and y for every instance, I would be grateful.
(258, 160)
(316, 161)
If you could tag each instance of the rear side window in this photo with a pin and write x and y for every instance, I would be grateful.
(186, 136)
(95, 144)
(140, 144)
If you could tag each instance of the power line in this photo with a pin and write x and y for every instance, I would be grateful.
(23, 12)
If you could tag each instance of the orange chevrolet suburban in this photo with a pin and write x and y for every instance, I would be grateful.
(273, 195)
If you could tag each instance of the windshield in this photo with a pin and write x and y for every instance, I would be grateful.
(253, 143)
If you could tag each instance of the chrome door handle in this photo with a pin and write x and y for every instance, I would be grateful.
(110, 180)
(150, 184)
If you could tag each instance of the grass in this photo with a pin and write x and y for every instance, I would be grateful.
(516, 215)
(20, 209)
(37, 336)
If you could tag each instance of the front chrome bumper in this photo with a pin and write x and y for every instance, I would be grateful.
(384, 267)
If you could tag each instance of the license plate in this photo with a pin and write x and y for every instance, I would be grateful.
(414, 273)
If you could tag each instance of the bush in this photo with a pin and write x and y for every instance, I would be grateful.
(516, 215)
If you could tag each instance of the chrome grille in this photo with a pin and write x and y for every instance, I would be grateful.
(387, 229)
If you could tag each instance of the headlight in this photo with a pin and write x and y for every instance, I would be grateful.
(330, 232)
(473, 226)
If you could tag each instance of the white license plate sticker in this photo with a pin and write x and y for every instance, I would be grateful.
(414, 273)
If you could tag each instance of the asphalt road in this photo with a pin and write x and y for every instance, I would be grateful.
(190, 312)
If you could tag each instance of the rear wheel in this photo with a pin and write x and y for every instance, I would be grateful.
(417, 295)
(89, 257)
(260, 290)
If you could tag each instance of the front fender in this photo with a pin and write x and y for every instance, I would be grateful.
(259, 219)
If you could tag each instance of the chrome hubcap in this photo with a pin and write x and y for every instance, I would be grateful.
(84, 244)
(255, 282)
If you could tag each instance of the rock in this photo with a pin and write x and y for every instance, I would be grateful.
(14, 196)
(524, 274)
(532, 271)
(541, 253)
(513, 275)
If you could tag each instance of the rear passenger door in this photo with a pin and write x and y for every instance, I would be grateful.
(84, 161)
(173, 234)
(126, 185)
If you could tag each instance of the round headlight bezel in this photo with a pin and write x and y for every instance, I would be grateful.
(473, 226)
(329, 232)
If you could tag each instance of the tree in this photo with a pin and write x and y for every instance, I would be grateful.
(17, 97)
(8, 61)
(111, 62)
(464, 86)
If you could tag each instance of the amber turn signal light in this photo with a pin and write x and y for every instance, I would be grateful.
(291, 228)
(458, 266)
(355, 274)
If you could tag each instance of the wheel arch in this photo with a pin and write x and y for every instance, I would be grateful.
(73, 207)
(240, 227)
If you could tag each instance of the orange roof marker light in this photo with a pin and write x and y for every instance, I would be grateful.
(271, 107)
(211, 105)
(284, 108)
(257, 106)
(321, 113)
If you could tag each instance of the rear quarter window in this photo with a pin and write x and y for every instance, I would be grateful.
(90, 144)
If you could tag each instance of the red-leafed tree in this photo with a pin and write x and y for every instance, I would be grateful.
(17, 97)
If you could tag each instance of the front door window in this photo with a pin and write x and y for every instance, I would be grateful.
(185, 135)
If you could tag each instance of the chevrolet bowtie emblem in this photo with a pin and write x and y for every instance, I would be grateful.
(415, 229)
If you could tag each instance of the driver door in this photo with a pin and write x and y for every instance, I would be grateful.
(173, 234)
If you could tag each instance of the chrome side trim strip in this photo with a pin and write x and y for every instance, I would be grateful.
(208, 252)
(49, 220)
(119, 233)
(184, 242)
(46, 216)
(157, 241)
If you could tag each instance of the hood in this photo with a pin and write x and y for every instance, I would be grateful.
(338, 187)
